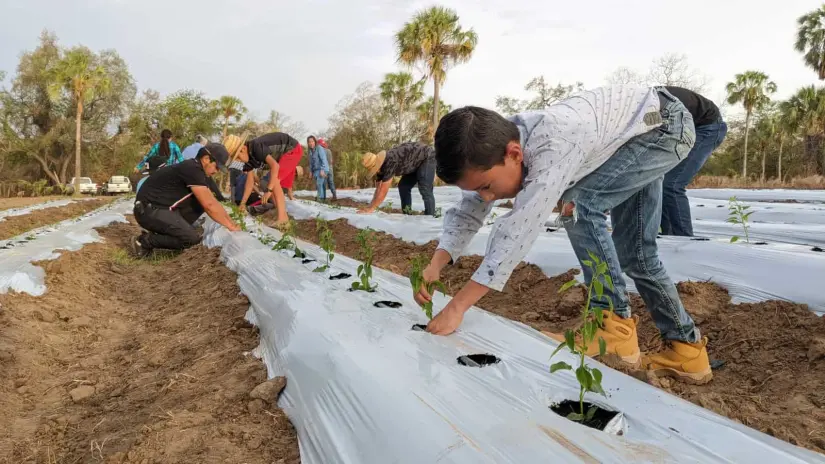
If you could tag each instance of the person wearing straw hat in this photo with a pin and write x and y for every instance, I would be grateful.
(414, 162)
(277, 151)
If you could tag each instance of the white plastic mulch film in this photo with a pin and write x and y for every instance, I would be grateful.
(17, 253)
(750, 272)
(362, 387)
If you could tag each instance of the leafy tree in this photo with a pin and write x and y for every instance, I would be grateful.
(401, 93)
(810, 40)
(78, 74)
(424, 112)
(544, 96)
(230, 108)
(188, 113)
(753, 90)
(435, 39)
(625, 75)
(805, 112)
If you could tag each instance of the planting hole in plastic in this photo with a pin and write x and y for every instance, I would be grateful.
(419, 327)
(600, 420)
(387, 304)
(700, 239)
(477, 360)
(760, 243)
(359, 290)
(340, 276)
(552, 229)
(307, 260)
(817, 249)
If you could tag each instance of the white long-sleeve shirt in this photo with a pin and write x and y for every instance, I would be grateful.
(561, 146)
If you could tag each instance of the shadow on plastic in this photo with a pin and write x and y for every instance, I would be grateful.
(477, 360)
(596, 416)
(342, 275)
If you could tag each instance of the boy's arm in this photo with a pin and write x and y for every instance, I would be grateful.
(461, 223)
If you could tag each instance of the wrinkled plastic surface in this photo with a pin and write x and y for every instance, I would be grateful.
(362, 387)
(28, 209)
(750, 273)
(16, 254)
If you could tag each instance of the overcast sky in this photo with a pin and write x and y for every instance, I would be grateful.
(301, 57)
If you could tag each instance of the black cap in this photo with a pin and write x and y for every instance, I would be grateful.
(218, 153)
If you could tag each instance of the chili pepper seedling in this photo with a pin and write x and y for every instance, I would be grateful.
(578, 341)
(417, 281)
(326, 242)
(365, 238)
(237, 216)
(739, 214)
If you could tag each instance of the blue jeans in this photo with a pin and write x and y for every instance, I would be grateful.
(424, 176)
(676, 218)
(629, 185)
(331, 183)
(320, 185)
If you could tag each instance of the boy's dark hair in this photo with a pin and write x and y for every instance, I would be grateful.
(471, 137)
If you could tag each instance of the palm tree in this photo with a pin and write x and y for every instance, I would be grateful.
(810, 40)
(401, 93)
(435, 39)
(424, 112)
(753, 90)
(230, 108)
(79, 75)
(805, 112)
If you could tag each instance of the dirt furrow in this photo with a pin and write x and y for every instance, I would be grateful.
(139, 362)
(16, 225)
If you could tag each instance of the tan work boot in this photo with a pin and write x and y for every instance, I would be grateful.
(687, 362)
(619, 336)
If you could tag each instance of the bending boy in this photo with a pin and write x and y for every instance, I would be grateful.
(601, 150)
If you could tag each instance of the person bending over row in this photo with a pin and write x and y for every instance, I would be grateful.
(414, 162)
(174, 197)
(277, 151)
(601, 150)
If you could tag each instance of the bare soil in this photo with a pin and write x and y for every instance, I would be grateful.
(20, 202)
(16, 225)
(139, 362)
(773, 378)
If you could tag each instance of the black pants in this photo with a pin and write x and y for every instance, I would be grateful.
(253, 197)
(167, 229)
(424, 176)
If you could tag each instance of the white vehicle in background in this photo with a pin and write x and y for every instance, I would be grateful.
(117, 184)
(86, 186)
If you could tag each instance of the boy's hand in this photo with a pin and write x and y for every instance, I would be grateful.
(430, 274)
(234, 228)
(447, 320)
(367, 210)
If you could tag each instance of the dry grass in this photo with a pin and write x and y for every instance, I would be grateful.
(814, 182)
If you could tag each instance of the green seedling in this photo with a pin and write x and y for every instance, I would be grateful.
(417, 281)
(387, 208)
(578, 341)
(739, 214)
(407, 210)
(237, 216)
(437, 214)
(326, 242)
(287, 241)
(492, 219)
(365, 238)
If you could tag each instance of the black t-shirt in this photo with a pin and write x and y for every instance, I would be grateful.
(703, 110)
(275, 144)
(169, 187)
(404, 159)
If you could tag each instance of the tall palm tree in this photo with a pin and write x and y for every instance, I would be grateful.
(401, 93)
(810, 40)
(435, 39)
(805, 112)
(753, 90)
(82, 78)
(230, 108)
(424, 112)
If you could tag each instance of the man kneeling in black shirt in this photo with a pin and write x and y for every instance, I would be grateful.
(174, 197)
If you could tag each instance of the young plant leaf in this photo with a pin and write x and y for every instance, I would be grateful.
(561, 365)
(598, 287)
(602, 346)
(567, 285)
(574, 416)
(734, 239)
(584, 377)
(588, 263)
(591, 411)
(570, 340)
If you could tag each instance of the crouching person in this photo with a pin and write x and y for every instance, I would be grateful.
(174, 197)
(602, 150)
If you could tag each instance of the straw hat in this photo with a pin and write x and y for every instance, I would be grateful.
(299, 171)
(233, 143)
(373, 162)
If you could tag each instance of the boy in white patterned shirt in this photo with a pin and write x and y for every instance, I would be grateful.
(601, 150)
